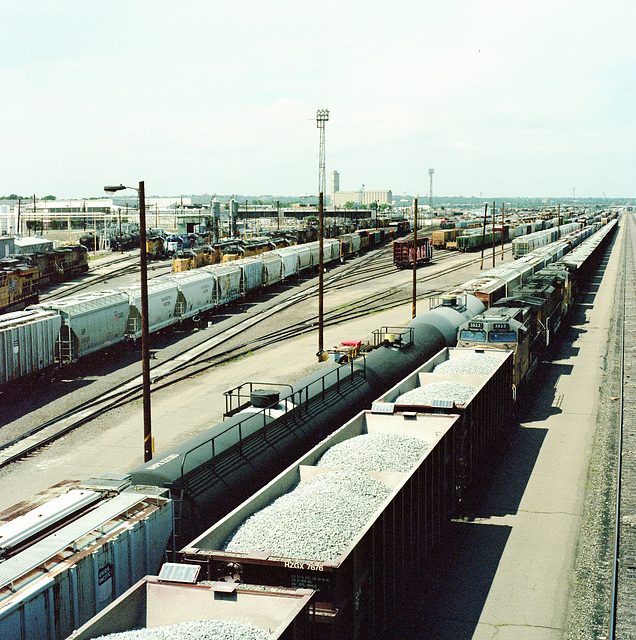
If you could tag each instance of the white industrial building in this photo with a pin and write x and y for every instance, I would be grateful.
(362, 196)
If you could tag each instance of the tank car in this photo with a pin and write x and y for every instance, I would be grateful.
(216, 470)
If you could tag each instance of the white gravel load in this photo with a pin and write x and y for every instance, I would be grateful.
(474, 364)
(459, 392)
(376, 452)
(317, 520)
(195, 630)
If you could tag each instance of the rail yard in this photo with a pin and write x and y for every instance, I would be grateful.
(526, 511)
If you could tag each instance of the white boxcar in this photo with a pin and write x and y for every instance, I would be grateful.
(289, 256)
(54, 585)
(272, 268)
(251, 273)
(90, 322)
(27, 343)
(162, 302)
(197, 292)
(228, 281)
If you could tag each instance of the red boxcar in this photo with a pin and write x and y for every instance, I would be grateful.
(403, 252)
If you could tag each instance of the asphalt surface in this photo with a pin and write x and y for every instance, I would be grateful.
(507, 569)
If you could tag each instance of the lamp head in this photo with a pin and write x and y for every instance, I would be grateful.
(114, 188)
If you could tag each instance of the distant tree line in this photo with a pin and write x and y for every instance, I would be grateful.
(15, 196)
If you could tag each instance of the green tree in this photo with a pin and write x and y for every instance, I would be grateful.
(49, 198)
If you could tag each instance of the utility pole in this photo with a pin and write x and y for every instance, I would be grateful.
(430, 189)
(493, 233)
(502, 230)
(483, 236)
(414, 304)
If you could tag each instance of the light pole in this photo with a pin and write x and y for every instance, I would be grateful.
(145, 350)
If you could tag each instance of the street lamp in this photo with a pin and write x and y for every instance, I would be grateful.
(145, 351)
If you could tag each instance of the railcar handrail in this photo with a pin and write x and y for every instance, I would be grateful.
(298, 405)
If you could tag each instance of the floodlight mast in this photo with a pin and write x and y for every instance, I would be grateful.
(322, 116)
(145, 329)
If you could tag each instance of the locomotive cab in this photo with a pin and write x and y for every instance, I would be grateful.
(498, 329)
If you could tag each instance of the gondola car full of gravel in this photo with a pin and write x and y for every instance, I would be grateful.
(171, 606)
(354, 519)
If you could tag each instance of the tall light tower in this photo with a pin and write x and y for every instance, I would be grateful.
(430, 188)
(322, 115)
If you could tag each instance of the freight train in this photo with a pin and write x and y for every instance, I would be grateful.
(45, 337)
(351, 245)
(50, 335)
(212, 478)
(21, 275)
(404, 252)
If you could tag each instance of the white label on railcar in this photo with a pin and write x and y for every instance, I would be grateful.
(165, 460)
(309, 566)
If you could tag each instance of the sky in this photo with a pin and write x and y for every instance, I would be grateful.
(501, 98)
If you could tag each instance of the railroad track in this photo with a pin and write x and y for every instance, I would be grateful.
(100, 274)
(184, 365)
(623, 584)
(206, 355)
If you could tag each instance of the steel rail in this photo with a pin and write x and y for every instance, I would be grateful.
(619, 469)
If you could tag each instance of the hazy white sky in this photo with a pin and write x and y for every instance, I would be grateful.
(504, 98)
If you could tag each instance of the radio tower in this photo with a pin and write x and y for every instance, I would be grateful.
(430, 188)
(322, 115)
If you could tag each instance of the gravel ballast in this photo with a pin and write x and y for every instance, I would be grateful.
(195, 630)
(474, 364)
(459, 392)
(376, 452)
(317, 520)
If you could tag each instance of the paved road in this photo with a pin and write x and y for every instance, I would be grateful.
(508, 567)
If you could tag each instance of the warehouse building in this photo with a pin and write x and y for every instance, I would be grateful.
(362, 196)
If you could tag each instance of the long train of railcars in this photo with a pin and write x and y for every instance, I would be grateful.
(55, 334)
(233, 459)
(52, 335)
(448, 237)
(359, 516)
(21, 275)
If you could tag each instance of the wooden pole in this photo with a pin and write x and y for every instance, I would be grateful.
(493, 232)
(320, 274)
(145, 331)
(414, 304)
(483, 237)
(502, 230)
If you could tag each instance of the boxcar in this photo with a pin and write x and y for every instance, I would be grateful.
(403, 252)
